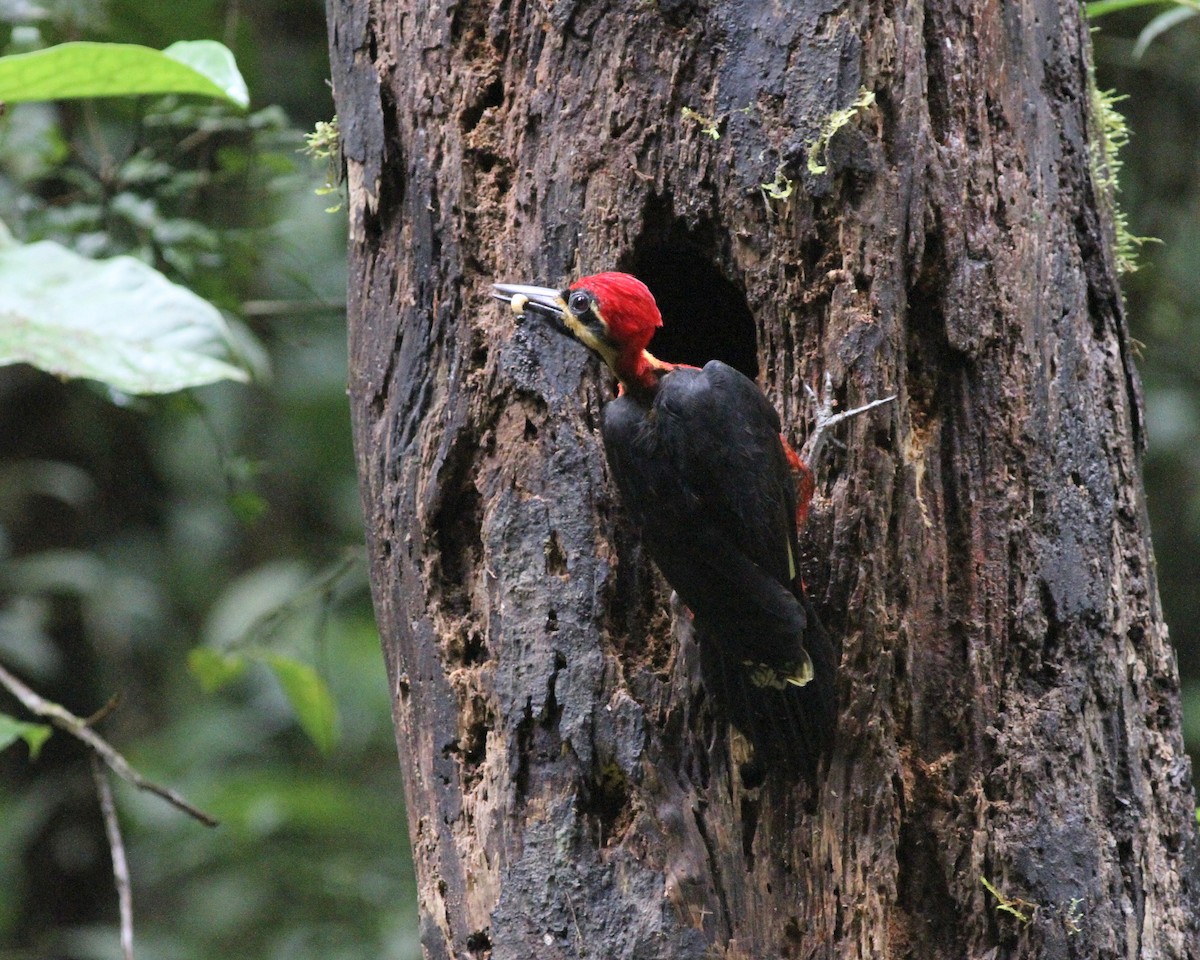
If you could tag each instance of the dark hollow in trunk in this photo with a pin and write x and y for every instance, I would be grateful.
(1009, 701)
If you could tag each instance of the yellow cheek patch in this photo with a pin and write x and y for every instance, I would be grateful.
(606, 350)
(578, 330)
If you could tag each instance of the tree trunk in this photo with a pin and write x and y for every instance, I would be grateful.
(1009, 700)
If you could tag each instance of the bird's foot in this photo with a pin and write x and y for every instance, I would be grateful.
(825, 419)
(681, 610)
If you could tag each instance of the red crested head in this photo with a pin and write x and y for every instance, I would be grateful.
(612, 314)
(626, 306)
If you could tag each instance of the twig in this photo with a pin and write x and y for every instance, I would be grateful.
(321, 585)
(113, 702)
(112, 827)
(575, 920)
(78, 728)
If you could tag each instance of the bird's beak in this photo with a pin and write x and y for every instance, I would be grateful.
(542, 302)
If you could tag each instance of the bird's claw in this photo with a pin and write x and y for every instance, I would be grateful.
(825, 419)
(680, 609)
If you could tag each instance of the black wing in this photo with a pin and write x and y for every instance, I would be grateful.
(737, 464)
(703, 474)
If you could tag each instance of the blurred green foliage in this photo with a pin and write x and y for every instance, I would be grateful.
(221, 522)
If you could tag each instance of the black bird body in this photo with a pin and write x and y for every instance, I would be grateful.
(706, 479)
(703, 475)
(727, 548)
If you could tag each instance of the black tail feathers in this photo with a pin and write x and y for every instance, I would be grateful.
(790, 727)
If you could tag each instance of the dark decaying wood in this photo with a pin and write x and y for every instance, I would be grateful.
(1009, 701)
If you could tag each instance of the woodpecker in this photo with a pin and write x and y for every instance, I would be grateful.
(711, 487)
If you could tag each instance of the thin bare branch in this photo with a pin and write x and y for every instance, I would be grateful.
(78, 728)
(112, 827)
(98, 717)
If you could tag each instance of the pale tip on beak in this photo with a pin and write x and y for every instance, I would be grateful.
(522, 298)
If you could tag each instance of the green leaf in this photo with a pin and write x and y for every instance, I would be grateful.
(87, 69)
(215, 669)
(117, 321)
(215, 62)
(34, 734)
(309, 697)
(1161, 24)
(1098, 8)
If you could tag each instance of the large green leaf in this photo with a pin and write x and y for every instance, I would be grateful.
(117, 321)
(86, 69)
(34, 734)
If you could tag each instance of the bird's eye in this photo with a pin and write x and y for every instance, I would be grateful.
(580, 303)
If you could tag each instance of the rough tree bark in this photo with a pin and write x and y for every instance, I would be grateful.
(1009, 698)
